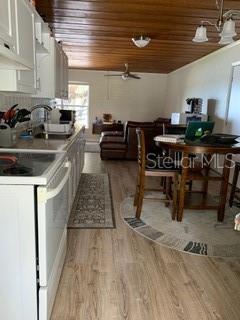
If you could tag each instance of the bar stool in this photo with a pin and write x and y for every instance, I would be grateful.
(234, 189)
(169, 174)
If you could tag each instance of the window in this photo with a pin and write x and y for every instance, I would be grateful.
(78, 100)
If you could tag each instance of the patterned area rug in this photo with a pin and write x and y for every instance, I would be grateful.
(92, 207)
(198, 233)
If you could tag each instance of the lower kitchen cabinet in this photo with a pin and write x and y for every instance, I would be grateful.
(18, 265)
(75, 154)
(33, 237)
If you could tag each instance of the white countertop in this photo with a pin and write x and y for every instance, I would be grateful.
(38, 145)
(42, 179)
(44, 145)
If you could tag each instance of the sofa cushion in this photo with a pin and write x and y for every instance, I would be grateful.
(112, 154)
(112, 133)
(111, 139)
(114, 145)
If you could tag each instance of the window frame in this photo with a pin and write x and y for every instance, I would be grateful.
(63, 105)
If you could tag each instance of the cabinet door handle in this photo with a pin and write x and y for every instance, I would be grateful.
(6, 46)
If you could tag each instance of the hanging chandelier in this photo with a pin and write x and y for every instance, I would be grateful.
(225, 25)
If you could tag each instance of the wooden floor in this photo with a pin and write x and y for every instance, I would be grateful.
(118, 274)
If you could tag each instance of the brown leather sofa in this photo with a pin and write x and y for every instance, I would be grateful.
(123, 145)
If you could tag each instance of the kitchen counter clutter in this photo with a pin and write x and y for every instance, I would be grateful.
(38, 184)
(56, 144)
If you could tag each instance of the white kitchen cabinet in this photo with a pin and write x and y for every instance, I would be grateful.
(64, 88)
(7, 23)
(42, 54)
(61, 75)
(53, 73)
(75, 154)
(73, 180)
(15, 80)
(29, 36)
(42, 34)
(10, 56)
(58, 70)
(80, 146)
(25, 30)
(18, 295)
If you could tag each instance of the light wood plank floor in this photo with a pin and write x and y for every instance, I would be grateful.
(117, 274)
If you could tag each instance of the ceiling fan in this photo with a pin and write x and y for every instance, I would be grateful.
(125, 75)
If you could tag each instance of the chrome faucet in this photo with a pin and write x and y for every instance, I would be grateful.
(47, 109)
(39, 106)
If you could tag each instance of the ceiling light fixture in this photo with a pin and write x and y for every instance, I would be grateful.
(141, 41)
(225, 25)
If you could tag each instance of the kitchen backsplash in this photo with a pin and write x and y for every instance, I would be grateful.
(6, 101)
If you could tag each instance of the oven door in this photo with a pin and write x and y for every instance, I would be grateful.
(53, 210)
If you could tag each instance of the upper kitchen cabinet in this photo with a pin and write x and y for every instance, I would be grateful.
(42, 34)
(15, 80)
(53, 73)
(11, 56)
(7, 24)
(25, 33)
(65, 77)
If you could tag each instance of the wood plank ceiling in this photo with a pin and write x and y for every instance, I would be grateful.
(96, 34)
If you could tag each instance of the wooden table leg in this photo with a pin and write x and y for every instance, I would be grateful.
(234, 184)
(224, 186)
(168, 190)
(185, 167)
(206, 160)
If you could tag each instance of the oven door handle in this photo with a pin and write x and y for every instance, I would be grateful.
(51, 194)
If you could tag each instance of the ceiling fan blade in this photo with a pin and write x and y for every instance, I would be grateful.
(112, 75)
(134, 76)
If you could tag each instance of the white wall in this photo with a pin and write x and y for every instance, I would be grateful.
(207, 78)
(140, 100)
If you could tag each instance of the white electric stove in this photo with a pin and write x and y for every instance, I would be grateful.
(28, 168)
(34, 210)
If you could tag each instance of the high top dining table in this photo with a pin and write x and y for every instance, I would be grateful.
(205, 175)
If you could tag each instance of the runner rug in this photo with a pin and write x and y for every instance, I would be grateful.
(92, 207)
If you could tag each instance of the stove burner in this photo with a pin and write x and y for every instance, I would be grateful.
(18, 171)
(7, 160)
